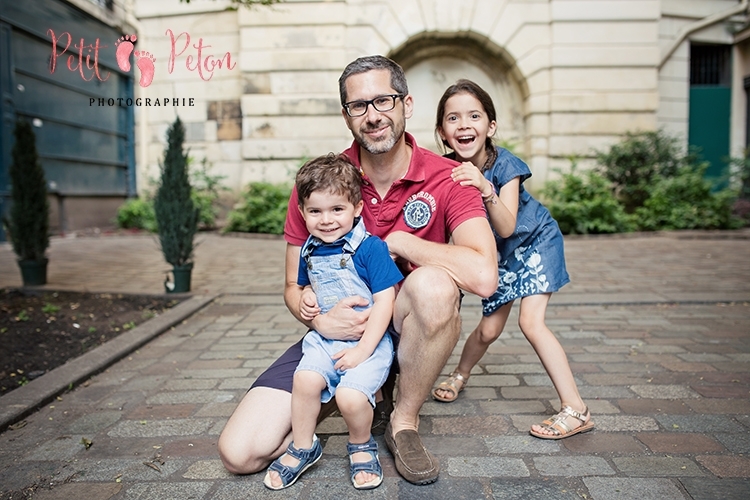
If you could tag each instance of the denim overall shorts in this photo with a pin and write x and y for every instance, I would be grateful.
(333, 278)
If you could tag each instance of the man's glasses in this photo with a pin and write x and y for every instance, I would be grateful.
(381, 103)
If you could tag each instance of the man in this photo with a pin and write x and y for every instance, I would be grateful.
(411, 203)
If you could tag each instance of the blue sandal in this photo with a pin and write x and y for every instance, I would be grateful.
(288, 475)
(373, 466)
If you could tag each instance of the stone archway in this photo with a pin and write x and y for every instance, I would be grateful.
(433, 61)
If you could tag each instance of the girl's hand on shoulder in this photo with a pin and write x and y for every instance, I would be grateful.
(467, 174)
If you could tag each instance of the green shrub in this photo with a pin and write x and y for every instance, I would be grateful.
(205, 193)
(136, 213)
(639, 160)
(262, 209)
(686, 201)
(742, 165)
(584, 203)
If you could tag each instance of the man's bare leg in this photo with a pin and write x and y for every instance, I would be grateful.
(260, 429)
(427, 317)
(258, 432)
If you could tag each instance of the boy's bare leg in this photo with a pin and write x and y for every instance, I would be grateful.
(357, 412)
(305, 409)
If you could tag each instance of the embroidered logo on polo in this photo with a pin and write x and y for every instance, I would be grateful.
(418, 210)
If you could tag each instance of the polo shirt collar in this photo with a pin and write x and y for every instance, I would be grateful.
(416, 172)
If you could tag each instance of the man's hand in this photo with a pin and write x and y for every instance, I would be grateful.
(308, 304)
(395, 241)
(471, 260)
(349, 358)
(342, 322)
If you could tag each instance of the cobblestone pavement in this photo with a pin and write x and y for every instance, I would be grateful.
(657, 329)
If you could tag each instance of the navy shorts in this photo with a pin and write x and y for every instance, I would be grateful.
(281, 373)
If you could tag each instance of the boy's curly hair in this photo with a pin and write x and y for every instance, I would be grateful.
(333, 173)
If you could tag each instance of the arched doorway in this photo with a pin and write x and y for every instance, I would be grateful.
(434, 61)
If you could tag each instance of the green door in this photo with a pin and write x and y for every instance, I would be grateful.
(708, 127)
(710, 103)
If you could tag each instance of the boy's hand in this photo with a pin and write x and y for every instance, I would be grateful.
(308, 304)
(349, 358)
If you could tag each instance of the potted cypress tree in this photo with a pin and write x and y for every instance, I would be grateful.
(176, 214)
(28, 225)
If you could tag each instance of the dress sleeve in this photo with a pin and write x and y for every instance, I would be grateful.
(507, 167)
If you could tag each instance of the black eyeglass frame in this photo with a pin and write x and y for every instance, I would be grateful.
(372, 102)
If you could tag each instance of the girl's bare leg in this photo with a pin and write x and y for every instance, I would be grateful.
(487, 331)
(551, 354)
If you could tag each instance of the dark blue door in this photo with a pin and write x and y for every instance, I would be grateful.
(86, 150)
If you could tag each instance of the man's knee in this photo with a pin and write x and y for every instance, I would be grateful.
(430, 311)
(237, 460)
(432, 291)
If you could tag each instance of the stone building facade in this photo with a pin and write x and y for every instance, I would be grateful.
(567, 76)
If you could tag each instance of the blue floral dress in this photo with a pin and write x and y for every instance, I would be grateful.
(531, 261)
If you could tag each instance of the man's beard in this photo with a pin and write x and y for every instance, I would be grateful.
(386, 143)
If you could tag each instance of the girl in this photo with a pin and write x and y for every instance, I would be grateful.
(530, 252)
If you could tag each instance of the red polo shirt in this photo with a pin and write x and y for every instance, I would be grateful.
(425, 202)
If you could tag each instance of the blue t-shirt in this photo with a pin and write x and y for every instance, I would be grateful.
(372, 261)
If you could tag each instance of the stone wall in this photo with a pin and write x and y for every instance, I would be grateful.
(567, 76)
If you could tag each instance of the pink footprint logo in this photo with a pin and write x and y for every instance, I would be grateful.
(124, 49)
(145, 62)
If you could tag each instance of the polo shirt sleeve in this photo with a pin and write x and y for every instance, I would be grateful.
(295, 230)
(376, 267)
(463, 203)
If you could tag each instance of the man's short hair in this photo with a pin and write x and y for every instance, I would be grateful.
(369, 63)
(332, 173)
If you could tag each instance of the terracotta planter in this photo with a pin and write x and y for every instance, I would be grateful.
(33, 272)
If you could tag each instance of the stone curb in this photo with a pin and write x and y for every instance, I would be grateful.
(677, 234)
(561, 298)
(28, 398)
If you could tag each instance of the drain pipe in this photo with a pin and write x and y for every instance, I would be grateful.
(698, 25)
